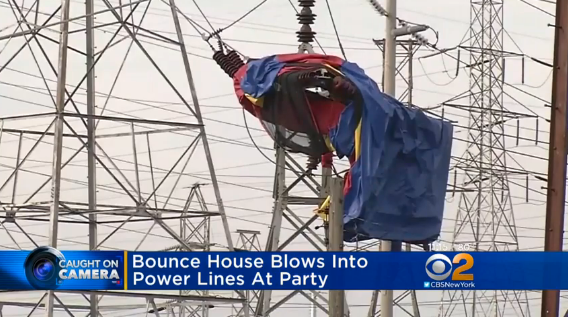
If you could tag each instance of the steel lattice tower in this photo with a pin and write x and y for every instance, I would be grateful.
(100, 132)
(485, 219)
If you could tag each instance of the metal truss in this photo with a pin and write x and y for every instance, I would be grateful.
(197, 233)
(247, 241)
(405, 52)
(288, 203)
(485, 218)
(91, 167)
(283, 210)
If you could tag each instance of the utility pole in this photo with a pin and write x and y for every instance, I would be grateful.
(389, 89)
(336, 297)
(556, 188)
(389, 80)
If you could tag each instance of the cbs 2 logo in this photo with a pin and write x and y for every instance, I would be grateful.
(441, 267)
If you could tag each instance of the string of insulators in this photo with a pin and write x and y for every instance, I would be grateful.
(235, 62)
(416, 36)
(229, 63)
(313, 162)
(379, 8)
(306, 18)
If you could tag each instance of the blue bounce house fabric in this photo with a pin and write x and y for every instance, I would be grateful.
(398, 183)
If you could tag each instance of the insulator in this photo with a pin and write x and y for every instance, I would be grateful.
(307, 3)
(312, 163)
(223, 61)
(220, 45)
(235, 62)
(306, 17)
(420, 39)
(306, 35)
(378, 7)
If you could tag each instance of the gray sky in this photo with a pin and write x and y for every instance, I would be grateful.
(245, 176)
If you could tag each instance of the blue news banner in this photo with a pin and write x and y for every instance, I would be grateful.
(48, 268)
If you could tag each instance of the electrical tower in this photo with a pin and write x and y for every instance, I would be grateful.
(285, 199)
(293, 207)
(248, 240)
(116, 159)
(197, 233)
(485, 219)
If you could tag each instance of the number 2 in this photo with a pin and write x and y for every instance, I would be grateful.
(458, 274)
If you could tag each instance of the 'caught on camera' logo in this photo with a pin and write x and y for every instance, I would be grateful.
(42, 268)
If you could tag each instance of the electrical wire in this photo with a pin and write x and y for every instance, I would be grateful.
(218, 32)
(335, 29)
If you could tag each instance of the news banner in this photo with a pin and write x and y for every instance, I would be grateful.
(47, 268)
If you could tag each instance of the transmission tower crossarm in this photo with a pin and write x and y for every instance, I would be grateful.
(556, 188)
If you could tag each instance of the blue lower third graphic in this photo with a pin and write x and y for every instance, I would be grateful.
(49, 269)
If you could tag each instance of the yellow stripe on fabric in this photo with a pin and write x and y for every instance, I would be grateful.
(334, 69)
(358, 140)
(328, 143)
(259, 102)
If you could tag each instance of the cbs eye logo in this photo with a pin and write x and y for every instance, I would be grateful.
(439, 267)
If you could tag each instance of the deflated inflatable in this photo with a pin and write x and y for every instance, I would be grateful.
(318, 104)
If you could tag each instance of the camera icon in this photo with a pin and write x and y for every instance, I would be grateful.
(42, 268)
